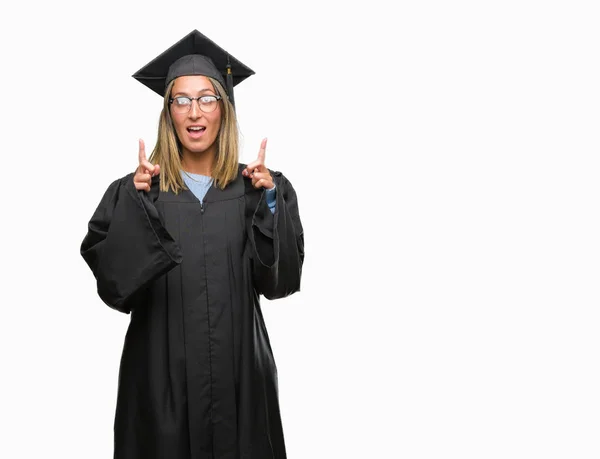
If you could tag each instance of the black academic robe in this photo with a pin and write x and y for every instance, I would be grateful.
(197, 378)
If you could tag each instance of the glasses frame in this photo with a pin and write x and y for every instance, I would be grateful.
(192, 99)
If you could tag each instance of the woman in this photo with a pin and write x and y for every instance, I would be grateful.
(187, 244)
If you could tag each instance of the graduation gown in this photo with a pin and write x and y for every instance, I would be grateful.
(197, 378)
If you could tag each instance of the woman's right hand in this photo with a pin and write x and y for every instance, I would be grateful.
(145, 171)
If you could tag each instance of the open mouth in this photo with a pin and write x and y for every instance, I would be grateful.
(196, 131)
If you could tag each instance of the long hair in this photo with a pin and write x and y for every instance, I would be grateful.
(167, 151)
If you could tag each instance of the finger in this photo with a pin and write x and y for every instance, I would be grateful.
(263, 150)
(259, 175)
(156, 170)
(262, 183)
(142, 151)
(148, 166)
(142, 178)
(142, 186)
(254, 165)
(260, 161)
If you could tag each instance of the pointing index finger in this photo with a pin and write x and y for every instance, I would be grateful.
(262, 151)
(142, 152)
(259, 163)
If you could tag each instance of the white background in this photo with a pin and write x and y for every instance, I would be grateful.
(445, 156)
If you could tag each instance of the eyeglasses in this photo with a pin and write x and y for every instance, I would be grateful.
(183, 104)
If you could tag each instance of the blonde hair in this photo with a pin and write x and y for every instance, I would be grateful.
(167, 151)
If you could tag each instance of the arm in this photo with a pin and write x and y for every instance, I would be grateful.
(277, 243)
(126, 246)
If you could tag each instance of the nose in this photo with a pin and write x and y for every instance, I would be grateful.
(195, 111)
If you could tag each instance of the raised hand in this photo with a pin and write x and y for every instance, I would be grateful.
(257, 171)
(145, 170)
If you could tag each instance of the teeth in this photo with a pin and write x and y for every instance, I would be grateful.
(196, 128)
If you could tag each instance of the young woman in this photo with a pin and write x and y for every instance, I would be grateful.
(187, 244)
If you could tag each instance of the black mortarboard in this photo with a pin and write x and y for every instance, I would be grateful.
(194, 54)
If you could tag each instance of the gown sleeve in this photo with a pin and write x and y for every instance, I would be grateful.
(277, 242)
(127, 246)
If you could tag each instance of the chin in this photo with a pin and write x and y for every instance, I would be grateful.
(198, 147)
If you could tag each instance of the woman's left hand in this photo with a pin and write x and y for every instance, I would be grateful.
(258, 172)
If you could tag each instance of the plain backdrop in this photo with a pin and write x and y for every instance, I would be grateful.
(446, 159)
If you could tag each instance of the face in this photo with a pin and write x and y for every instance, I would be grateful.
(197, 131)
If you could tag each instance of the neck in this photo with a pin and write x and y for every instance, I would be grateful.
(198, 163)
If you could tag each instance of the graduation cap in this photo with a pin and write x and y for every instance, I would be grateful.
(194, 54)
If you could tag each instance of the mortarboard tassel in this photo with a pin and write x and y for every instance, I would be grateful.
(230, 83)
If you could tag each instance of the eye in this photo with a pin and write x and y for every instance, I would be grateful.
(183, 100)
(207, 99)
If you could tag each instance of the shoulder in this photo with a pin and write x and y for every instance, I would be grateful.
(125, 182)
(122, 180)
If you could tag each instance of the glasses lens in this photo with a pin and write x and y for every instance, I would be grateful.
(181, 104)
(208, 103)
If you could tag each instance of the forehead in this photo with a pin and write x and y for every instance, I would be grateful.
(192, 84)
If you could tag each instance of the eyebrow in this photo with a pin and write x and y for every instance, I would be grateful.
(184, 93)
